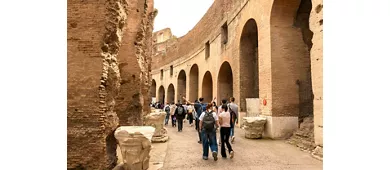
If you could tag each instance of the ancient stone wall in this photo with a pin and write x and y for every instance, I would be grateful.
(108, 63)
(316, 21)
(274, 34)
(195, 39)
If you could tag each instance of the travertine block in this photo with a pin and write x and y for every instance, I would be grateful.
(254, 127)
(156, 120)
(135, 144)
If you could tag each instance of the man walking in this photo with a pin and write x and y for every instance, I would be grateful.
(198, 111)
(208, 125)
(234, 116)
(173, 109)
(167, 110)
(180, 114)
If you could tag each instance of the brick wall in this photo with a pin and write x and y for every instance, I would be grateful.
(195, 38)
(100, 45)
(290, 59)
(284, 73)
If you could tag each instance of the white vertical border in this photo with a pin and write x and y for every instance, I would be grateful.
(356, 84)
(33, 84)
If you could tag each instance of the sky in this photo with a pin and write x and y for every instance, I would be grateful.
(179, 15)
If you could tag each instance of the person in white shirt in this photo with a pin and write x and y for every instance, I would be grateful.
(225, 122)
(208, 125)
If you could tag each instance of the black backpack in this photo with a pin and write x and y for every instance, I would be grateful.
(180, 110)
(208, 121)
(167, 109)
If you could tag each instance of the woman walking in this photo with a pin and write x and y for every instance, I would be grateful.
(224, 119)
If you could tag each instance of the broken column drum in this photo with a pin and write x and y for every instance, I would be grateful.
(135, 144)
(156, 120)
(254, 127)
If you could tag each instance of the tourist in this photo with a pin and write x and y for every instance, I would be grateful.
(215, 109)
(225, 121)
(208, 125)
(185, 110)
(173, 108)
(167, 110)
(234, 111)
(198, 106)
(180, 114)
(224, 101)
(190, 115)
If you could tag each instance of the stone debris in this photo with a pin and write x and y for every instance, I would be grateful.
(304, 136)
(254, 127)
(135, 145)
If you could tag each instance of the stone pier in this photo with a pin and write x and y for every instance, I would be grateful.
(135, 145)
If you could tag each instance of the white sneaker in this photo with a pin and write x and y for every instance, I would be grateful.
(232, 139)
(231, 154)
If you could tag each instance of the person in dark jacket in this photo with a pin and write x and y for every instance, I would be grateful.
(180, 114)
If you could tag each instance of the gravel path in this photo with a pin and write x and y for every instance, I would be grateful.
(184, 153)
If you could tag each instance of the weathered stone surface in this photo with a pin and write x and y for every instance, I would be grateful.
(304, 136)
(156, 120)
(163, 138)
(112, 88)
(252, 107)
(254, 127)
(135, 144)
(317, 153)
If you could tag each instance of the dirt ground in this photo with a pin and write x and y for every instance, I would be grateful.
(183, 152)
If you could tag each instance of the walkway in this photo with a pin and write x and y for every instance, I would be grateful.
(184, 153)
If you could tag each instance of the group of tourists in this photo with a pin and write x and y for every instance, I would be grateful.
(210, 119)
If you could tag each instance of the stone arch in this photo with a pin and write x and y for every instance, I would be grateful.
(225, 82)
(194, 83)
(207, 87)
(153, 89)
(171, 93)
(249, 63)
(161, 94)
(290, 58)
(181, 85)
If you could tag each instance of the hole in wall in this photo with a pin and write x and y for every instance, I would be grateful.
(319, 8)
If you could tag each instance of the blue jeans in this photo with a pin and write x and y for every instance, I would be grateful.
(232, 130)
(167, 118)
(209, 139)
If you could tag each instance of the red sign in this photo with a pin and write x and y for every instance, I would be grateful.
(264, 102)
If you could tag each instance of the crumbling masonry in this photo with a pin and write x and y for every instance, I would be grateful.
(109, 48)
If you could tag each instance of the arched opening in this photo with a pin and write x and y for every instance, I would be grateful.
(161, 94)
(181, 85)
(207, 87)
(153, 89)
(171, 94)
(194, 85)
(225, 82)
(290, 60)
(249, 67)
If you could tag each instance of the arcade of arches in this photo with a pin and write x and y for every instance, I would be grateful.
(267, 52)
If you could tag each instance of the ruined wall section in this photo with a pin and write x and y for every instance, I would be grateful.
(108, 54)
(94, 37)
(195, 39)
(149, 23)
(133, 64)
(316, 21)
